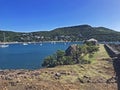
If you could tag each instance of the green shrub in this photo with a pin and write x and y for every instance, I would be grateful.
(60, 58)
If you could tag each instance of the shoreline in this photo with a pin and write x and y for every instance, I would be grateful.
(36, 42)
(50, 42)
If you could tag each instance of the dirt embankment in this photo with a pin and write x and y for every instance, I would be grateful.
(99, 76)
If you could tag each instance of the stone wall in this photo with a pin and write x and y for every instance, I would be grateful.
(111, 51)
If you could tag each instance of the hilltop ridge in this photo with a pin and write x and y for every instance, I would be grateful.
(71, 33)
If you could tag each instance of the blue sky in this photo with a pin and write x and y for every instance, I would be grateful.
(40, 15)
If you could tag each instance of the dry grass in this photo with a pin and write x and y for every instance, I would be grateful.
(101, 54)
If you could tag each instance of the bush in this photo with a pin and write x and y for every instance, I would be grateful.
(60, 58)
(49, 61)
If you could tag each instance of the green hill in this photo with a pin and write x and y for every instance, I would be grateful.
(73, 33)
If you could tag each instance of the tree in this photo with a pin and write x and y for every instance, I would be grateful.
(76, 57)
(92, 49)
(60, 54)
(49, 61)
(68, 60)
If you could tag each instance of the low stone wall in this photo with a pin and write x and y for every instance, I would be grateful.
(112, 52)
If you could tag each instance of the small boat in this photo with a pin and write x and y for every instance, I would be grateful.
(53, 42)
(25, 43)
(64, 43)
(40, 44)
(4, 45)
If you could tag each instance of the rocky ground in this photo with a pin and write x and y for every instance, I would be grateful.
(99, 75)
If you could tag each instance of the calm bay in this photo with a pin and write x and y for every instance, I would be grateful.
(31, 56)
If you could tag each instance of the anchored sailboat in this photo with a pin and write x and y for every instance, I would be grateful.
(25, 43)
(4, 45)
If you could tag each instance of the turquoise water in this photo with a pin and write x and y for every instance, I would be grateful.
(18, 56)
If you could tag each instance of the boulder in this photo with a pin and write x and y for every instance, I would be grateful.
(71, 49)
(57, 76)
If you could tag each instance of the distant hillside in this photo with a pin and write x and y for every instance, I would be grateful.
(73, 33)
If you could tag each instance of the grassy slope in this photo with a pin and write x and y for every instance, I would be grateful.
(101, 54)
(101, 69)
(87, 69)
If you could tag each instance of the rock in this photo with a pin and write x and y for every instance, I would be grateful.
(52, 72)
(112, 80)
(63, 72)
(71, 49)
(46, 72)
(98, 80)
(30, 87)
(80, 80)
(101, 80)
(21, 72)
(87, 79)
(35, 74)
(3, 72)
(8, 78)
(13, 83)
(57, 76)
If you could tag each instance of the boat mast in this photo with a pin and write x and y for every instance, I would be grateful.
(4, 40)
(4, 37)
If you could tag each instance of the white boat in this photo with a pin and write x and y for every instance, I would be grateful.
(25, 43)
(53, 42)
(4, 45)
(64, 43)
(40, 44)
